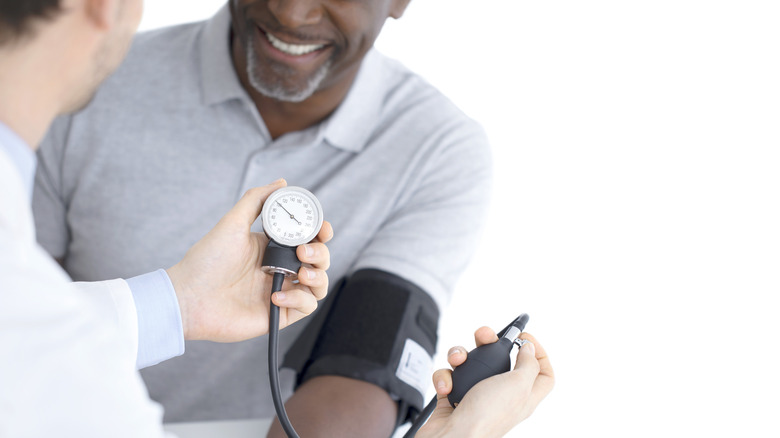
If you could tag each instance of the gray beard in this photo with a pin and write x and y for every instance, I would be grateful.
(276, 89)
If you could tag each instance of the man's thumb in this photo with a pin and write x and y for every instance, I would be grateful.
(248, 208)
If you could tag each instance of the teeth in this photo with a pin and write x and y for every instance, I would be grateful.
(293, 49)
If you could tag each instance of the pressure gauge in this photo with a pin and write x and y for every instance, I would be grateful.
(292, 216)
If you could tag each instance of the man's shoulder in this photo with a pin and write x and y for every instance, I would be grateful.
(161, 60)
(398, 79)
(409, 99)
(167, 43)
(160, 71)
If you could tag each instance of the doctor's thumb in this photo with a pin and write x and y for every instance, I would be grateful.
(248, 208)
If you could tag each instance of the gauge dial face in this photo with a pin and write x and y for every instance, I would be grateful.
(292, 216)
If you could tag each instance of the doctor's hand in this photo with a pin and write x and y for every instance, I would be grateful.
(492, 407)
(223, 293)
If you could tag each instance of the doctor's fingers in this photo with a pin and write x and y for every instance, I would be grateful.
(316, 254)
(316, 279)
(326, 232)
(295, 299)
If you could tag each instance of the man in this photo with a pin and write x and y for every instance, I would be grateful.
(269, 89)
(69, 351)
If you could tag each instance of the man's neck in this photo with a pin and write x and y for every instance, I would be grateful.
(283, 117)
(28, 95)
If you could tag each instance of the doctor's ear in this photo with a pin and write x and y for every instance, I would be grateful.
(103, 14)
(398, 7)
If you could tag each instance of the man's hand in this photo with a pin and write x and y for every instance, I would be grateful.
(224, 295)
(495, 405)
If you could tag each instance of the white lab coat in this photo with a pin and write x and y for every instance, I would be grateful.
(67, 350)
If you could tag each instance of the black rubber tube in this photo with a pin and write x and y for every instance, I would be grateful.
(421, 418)
(273, 360)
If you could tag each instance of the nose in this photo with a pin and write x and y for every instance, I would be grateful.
(296, 13)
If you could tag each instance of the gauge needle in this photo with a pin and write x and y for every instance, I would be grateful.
(291, 215)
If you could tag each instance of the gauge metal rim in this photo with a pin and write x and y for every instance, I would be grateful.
(266, 211)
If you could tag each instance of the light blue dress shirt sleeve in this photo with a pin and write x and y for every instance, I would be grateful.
(160, 330)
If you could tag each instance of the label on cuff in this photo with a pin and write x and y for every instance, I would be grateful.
(415, 366)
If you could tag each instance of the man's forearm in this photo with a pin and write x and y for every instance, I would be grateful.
(332, 406)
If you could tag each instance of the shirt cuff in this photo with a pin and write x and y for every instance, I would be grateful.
(160, 331)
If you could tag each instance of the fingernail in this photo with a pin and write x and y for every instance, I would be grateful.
(531, 348)
(453, 350)
(308, 250)
(280, 296)
(310, 274)
(440, 384)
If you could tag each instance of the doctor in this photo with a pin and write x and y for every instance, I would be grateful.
(69, 352)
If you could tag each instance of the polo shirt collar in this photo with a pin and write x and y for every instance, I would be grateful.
(350, 126)
(220, 82)
(347, 128)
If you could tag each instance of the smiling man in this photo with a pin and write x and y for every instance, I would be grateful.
(267, 89)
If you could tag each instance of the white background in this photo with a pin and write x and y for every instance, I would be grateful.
(635, 210)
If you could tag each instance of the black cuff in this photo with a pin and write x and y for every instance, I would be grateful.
(378, 328)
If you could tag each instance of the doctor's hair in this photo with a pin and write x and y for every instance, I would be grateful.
(19, 17)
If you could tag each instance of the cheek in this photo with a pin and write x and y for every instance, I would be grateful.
(360, 28)
(241, 26)
(366, 38)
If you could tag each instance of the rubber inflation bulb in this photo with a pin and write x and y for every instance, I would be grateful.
(482, 362)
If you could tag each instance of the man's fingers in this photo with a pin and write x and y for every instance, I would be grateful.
(315, 253)
(316, 279)
(295, 299)
(248, 208)
(485, 335)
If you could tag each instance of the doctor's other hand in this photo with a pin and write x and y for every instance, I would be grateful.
(222, 291)
(497, 404)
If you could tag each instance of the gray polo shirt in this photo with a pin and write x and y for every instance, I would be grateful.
(172, 140)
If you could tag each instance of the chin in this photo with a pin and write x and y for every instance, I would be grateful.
(270, 81)
(80, 102)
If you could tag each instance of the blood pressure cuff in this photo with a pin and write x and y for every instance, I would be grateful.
(378, 328)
